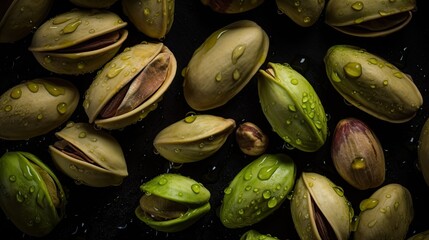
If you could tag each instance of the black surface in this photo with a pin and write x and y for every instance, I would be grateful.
(108, 213)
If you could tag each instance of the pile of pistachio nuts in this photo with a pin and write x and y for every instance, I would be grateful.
(209, 119)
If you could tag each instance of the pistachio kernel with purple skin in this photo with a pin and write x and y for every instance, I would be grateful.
(251, 140)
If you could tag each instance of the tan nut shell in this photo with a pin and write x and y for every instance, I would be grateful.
(303, 12)
(423, 151)
(109, 167)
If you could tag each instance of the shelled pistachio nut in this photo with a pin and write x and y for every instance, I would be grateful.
(368, 18)
(19, 17)
(193, 138)
(255, 235)
(78, 41)
(257, 190)
(31, 195)
(320, 209)
(303, 12)
(89, 156)
(292, 107)
(35, 107)
(251, 140)
(172, 202)
(94, 3)
(232, 6)
(223, 65)
(420, 236)
(357, 154)
(130, 85)
(423, 151)
(153, 18)
(386, 214)
(372, 84)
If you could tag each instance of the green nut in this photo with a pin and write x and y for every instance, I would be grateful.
(257, 190)
(372, 84)
(255, 235)
(36, 107)
(232, 6)
(94, 3)
(172, 202)
(303, 12)
(386, 214)
(292, 107)
(420, 236)
(31, 195)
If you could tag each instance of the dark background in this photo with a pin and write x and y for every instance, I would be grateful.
(108, 213)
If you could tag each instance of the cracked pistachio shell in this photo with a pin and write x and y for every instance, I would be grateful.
(89, 156)
(232, 6)
(368, 18)
(257, 190)
(31, 195)
(19, 17)
(372, 84)
(423, 151)
(292, 107)
(79, 41)
(420, 236)
(303, 12)
(357, 154)
(94, 3)
(319, 208)
(21, 117)
(118, 73)
(153, 18)
(193, 138)
(386, 214)
(179, 191)
(224, 64)
(255, 235)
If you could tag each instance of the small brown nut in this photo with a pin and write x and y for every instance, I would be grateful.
(251, 140)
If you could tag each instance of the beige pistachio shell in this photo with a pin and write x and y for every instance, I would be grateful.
(420, 236)
(116, 74)
(232, 6)
(314, 192)
(94, 3)
(423, 151)
(153, 18)
(35, 107)
(224, 64)
(78, 41)
(303, 12)
(368, 18)
(104, 163)
(21, 17)
(193, 138)
(386, 214)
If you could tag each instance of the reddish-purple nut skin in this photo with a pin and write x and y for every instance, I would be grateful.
(251, 140)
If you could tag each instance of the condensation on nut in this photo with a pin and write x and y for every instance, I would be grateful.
(251, 140)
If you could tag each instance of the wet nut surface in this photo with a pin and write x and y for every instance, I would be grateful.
(423, 151)
(303, 12)
(255, 235)
(251, 140)
(93, 3)
(232, 6)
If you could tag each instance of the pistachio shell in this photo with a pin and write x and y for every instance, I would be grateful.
(368, 18)
(32, 196)
(303, 12)
(78, 41)
(257, 190)
(193, 138)
(423, 151)
(20, 17)
(357, 154)
(153, 18)
(372, 84)
(292, 107)
(117, 74)
(100, 161)
(315, 197)
(224, 64)
(386, 214)
(255, 235)
(94, 3)
(232, 6)
(420, 236)
(21, 117)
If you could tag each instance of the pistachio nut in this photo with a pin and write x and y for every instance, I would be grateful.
(224, 64)
(257, 190)
(255, 235)
(153, 18)
(232, 6)
(94, 3)
(130, 85)
(357, 154)
(368, 18)
(292, 107)
(89, 156)
(420, 236)
(320, 209)
(21, 117)
(372, 84)
(251, 140)
(31, 195)
(423, 151)
(172, 202)
(19, 17)
(303, 12)
(386, 214)
(193, 138)
(78, 41)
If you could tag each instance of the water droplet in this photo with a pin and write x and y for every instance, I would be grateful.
(272, 202)
(60, 19)
(227, 190)
(177, 150)
(372, 223)
(373, 61)
(385, 82)
(241, 211)
(298, 141)
(113, 72)
(162, 181)
(292, 108)
(7, 108)
(338, 190)
(294, 81)
(62, 108)
(12, 178)
(146, 11)
(335, 77)
(31, 189)
(39, 116)
(307, 19)
(236, 75)
(33, 87)
(218, 77)
(266, 172)
(190, 117)
(388, 195)
(16, 93)
(248, 188)
(396, 205)
(398, 75)
(237, 53)
(91, 30)
(357, 6)
(40, 198)
(82, 135)
(81, 65)
(369, 203)
(53, 89)
(180, 194)
(248, 175)
(71, 27)
(359, 20)
(266, 194)
(195, 188)
(353, 69)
